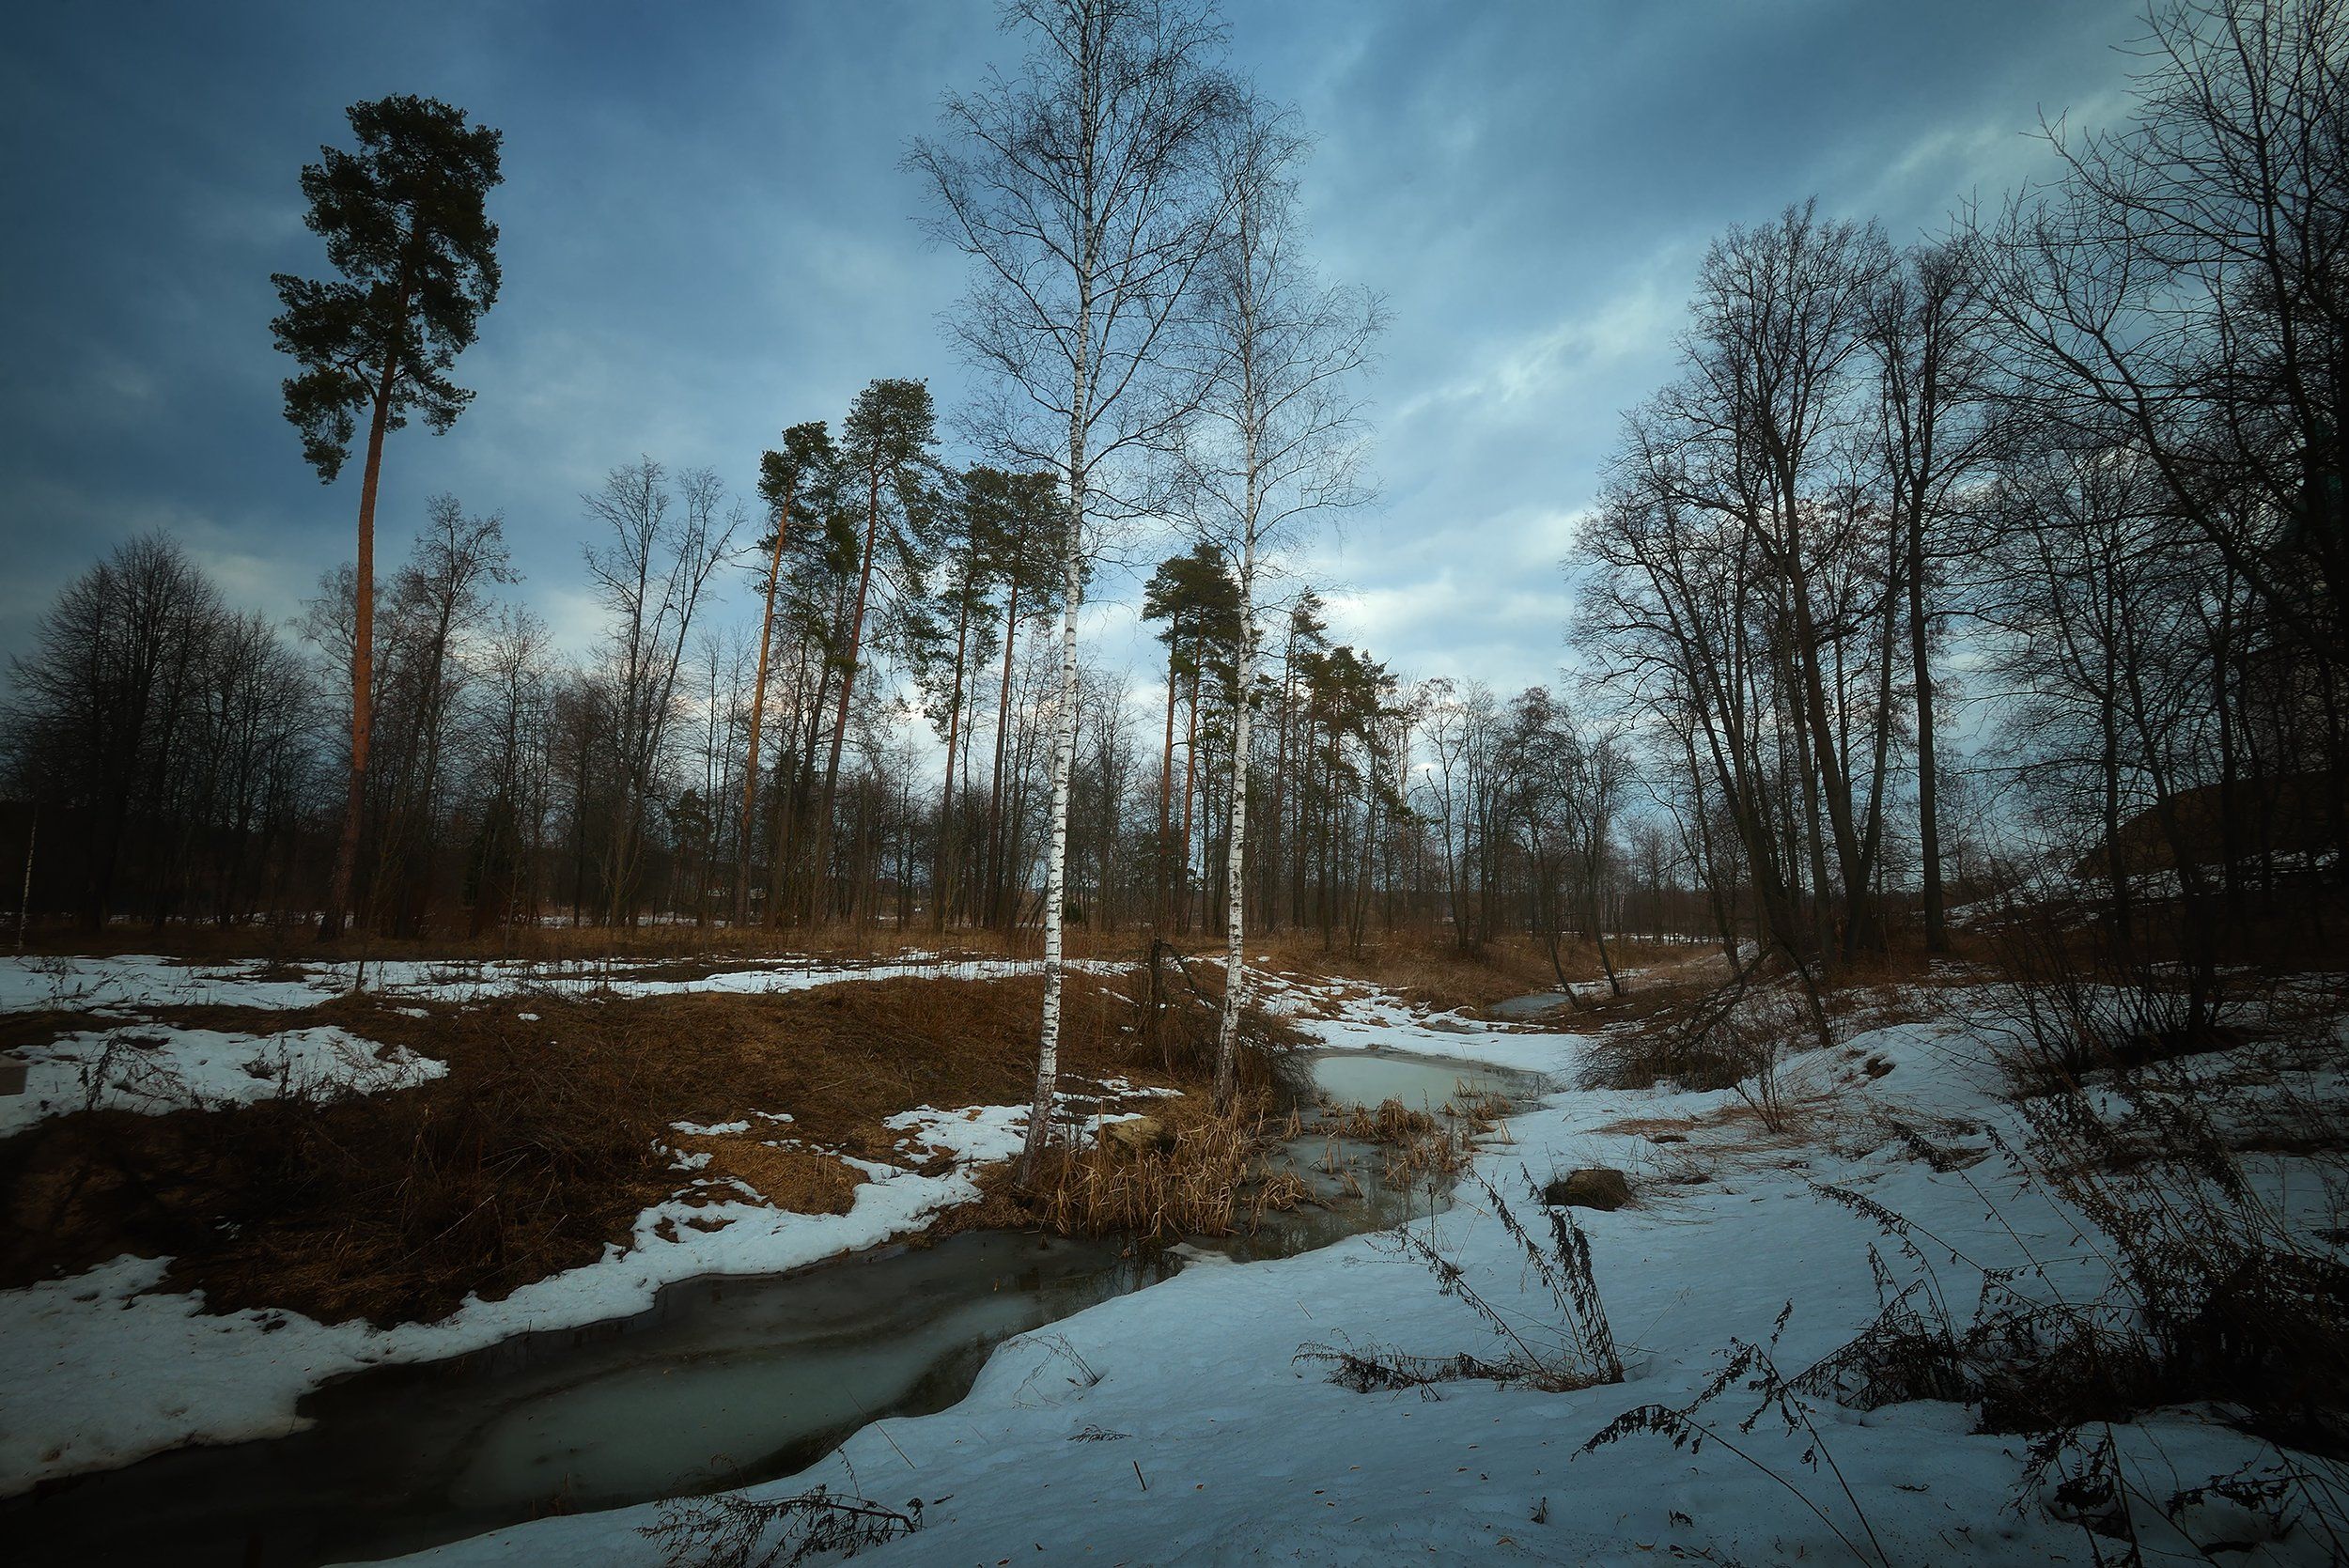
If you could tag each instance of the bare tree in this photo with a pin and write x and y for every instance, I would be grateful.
(1929, 332)
(651, 570)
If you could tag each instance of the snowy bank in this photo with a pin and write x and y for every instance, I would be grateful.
(154, 1070)
(1177, 1423)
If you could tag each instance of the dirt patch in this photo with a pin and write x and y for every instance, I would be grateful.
(806, 1181)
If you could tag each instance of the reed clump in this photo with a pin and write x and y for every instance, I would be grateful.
(1215, 1180)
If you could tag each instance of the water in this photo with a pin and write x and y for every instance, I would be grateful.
(1421, 1082)
(723, 1382)
(1537, 1005)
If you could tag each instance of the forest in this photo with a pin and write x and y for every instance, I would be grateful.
(1949, 700)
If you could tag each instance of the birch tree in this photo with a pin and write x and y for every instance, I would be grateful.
(1080, 186)
(1280, 439)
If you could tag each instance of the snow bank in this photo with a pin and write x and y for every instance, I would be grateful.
(154, 1070)
(139, 984)
(105, 1368)
(1206, 1439)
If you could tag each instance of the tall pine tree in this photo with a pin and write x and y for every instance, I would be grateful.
(405, 223)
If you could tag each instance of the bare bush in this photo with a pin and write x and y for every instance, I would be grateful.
(2216, 1299)
(1575, 1350)
(732, 1530)
(2087, 998)
(1754, 1369)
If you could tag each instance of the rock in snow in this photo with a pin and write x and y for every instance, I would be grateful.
(1599, 1188)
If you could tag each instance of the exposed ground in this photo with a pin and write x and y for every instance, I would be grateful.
(1842, 1316)
(554, 1126)
(1898, 1243)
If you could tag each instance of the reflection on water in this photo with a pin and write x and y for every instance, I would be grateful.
(722, 1382)
(1421, 1082)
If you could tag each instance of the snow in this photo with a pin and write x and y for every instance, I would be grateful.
(112, 1365)
(1236, 1451)
(978, 1134)
(109, 1366)
(1370, 1020)
(139, 984)
(154, 1070)
(986, 1134)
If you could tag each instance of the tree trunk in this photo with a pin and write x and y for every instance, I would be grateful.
(362, 663)
(820, 877)
(941, 877)
(1064, 760)
(998, 855)
(1235, 845)
(1191, 780)
(1166, 783)
(1928, 785)
(1056, 850)
(758, 709)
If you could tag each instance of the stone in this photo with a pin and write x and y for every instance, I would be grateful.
(1597, 1188)
(1141, 1134)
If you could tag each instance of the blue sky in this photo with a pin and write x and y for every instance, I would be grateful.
(707, 235)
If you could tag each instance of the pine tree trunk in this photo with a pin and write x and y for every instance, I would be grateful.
(361, 666)
(758, 709)
(820, 876)
(1166, 780)
(1191, 780)
(941, 875)
(997, 855)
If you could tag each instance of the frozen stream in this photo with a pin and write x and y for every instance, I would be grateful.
(723, 1382)
(1421, 1082)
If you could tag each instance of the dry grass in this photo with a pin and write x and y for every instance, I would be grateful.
(1426, 968)
(806, 1181)
(540, 1146)
(1213, 1181)
(1389, 1122)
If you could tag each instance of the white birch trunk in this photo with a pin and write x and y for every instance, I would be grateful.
(1064, 765)
(1236, 895)
(1056, 875)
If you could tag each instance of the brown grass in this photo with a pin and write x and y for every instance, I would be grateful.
(806, 1181)
(538, 1147)
(1425, 969)
(1389, 1122)
(1213, 1181)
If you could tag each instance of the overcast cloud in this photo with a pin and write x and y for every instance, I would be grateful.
(707, 236)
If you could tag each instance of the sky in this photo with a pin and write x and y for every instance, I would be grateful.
(707, 235)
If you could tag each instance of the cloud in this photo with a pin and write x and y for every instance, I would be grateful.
(707, 235)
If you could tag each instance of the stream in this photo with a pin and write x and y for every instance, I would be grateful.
(723, 1382)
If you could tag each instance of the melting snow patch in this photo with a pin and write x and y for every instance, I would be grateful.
(152, 1070)
(105, 1368)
